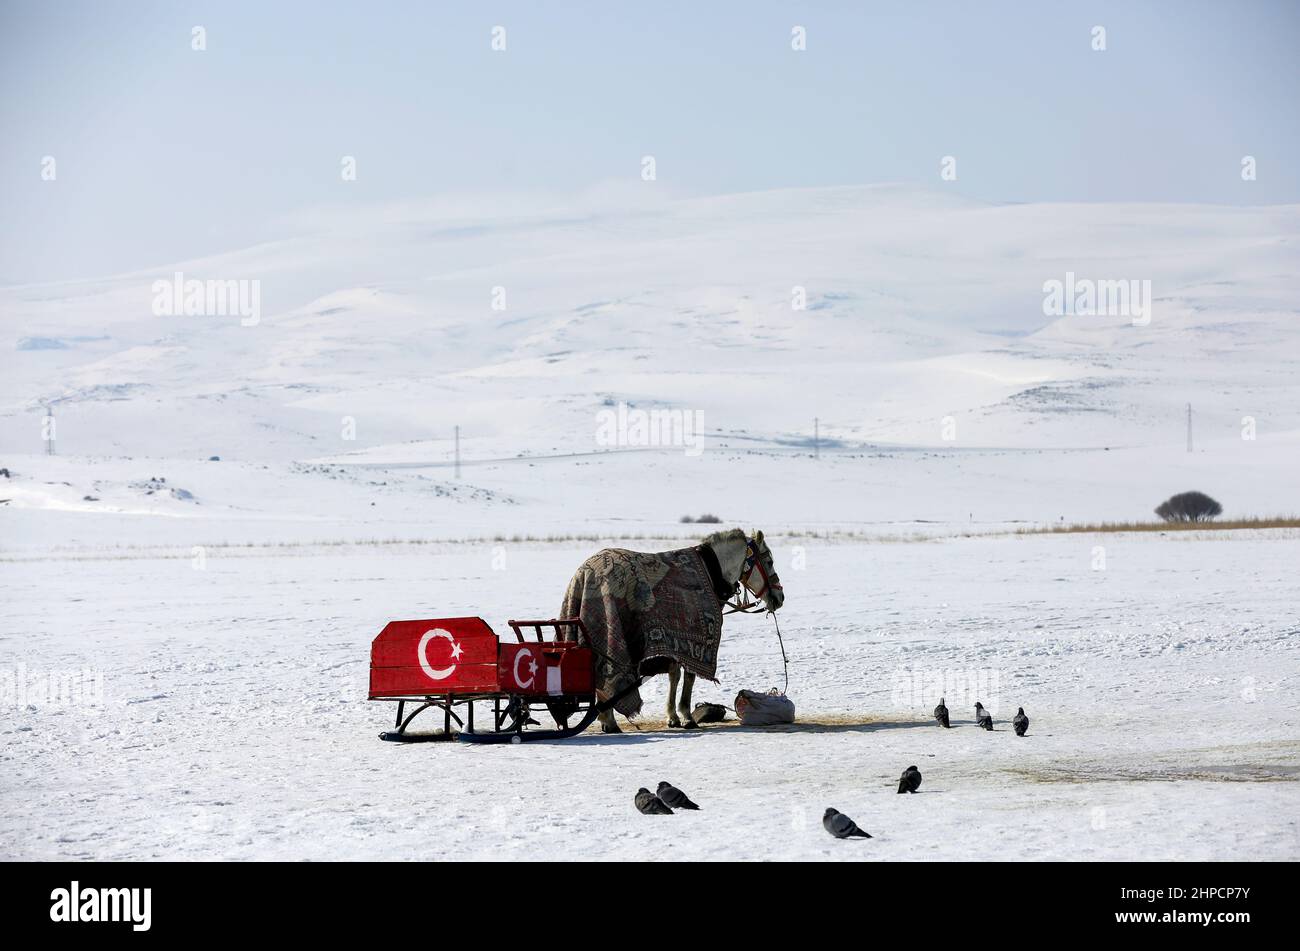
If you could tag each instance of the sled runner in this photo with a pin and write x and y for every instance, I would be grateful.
(446, 663)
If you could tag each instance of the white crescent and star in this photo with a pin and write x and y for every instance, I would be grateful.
(532, 668)
(440, 673)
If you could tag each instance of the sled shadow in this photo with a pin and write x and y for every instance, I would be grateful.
(653, 731)
(626, 738)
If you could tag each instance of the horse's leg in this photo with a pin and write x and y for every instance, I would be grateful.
(688, 684)
(607, 724)
(674, 672)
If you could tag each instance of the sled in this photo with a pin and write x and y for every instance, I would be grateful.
(455, 663)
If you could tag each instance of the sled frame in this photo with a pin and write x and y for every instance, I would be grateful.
(510, 717)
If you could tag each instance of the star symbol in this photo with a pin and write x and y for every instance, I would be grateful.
(532, 666)
(455, 650)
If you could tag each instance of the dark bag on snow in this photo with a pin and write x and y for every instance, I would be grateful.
(709, 713)
(764, 709)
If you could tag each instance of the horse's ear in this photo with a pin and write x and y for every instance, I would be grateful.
(758, 535)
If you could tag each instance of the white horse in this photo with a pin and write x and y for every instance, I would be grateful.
(745, 561)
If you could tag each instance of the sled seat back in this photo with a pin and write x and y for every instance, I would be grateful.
(555, 667)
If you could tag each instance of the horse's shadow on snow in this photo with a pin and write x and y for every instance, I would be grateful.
(838, 726)
(632, 735)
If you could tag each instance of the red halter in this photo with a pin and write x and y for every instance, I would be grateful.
(753, 562)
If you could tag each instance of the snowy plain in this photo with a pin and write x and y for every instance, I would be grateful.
(228, 605)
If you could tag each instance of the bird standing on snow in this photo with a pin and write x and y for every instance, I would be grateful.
(941, 714)
(910, 781)
(983, 718)
(674, 798)
(1021, 722)
(841, 826)
(650, 804)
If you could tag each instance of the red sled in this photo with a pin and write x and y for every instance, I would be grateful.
(456, 662)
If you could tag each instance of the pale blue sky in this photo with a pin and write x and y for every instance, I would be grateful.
(165, 153)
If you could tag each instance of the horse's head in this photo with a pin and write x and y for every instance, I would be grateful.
(759, 574)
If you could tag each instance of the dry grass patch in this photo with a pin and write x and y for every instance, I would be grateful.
(1218, 525)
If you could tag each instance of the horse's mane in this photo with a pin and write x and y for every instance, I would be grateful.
(729, 534)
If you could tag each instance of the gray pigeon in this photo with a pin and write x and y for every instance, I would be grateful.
(983, 718)
(1021, 722)
(674, 798)
(910, 781)
(650, 804)
(841, 826)
(941, 714)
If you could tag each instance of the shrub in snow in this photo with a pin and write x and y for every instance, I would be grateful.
(1189, 507)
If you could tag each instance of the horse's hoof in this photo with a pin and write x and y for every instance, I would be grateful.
(612, 728)
(674, 724)
(690, 725)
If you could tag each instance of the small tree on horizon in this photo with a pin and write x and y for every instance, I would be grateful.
(1189, 507)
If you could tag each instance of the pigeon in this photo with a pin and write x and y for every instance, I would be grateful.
(910, 781)
(674, 798)
(941, 714)
(1021, 722)
(650, 804)
(841, 826)
(982, 717)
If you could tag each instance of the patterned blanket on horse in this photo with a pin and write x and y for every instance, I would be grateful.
(643, 610)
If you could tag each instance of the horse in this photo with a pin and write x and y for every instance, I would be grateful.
(753, 569)
(615, 588)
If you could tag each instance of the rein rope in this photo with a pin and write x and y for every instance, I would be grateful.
(744, 602)
(785, 661)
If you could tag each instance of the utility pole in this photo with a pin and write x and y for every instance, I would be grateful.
(48, 427)
(1189, 427)
(817, 445)
(457, 452)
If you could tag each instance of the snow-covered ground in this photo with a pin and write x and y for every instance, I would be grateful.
(233, 722)
(226, 605)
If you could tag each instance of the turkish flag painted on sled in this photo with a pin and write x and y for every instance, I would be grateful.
(550, 669)
(434, 656)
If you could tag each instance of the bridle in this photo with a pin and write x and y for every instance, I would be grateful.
(746, 600)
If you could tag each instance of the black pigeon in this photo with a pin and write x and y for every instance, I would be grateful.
(1021, 722)
(910, 781)
(941, 714)
(650, 804)
(841, 826)
(674, 798)
(983, 718)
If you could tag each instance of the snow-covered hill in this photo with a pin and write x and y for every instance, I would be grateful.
(918, 306)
